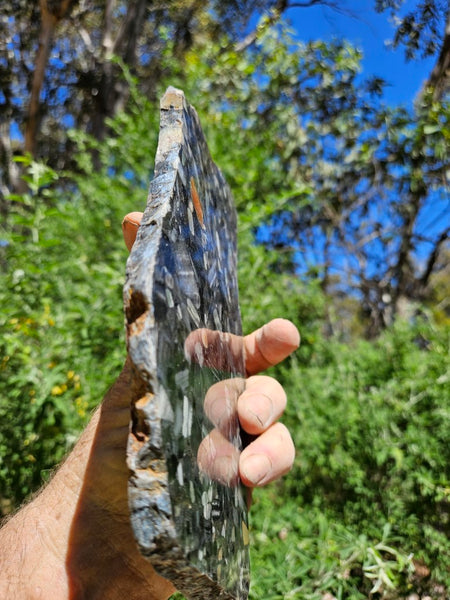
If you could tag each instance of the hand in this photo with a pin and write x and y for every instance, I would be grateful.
(259, 407)
(74, 539)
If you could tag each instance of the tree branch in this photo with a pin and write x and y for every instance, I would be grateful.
(48, 23)
(128, 34)
(433, 258)
(107, 42)
(269, 20)
(439, 79)
(50, 17)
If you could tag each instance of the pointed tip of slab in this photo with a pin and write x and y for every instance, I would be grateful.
(173, 98)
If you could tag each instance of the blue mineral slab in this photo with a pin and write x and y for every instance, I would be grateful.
(187, 505)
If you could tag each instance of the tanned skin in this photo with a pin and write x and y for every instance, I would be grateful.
(73, 541)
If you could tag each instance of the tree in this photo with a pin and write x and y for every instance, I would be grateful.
(314, 159)
(424, 31)
(59, 66)
(341, 187)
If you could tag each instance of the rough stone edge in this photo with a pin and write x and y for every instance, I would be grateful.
(164, 554)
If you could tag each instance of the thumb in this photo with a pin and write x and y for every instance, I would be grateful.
(130, 225)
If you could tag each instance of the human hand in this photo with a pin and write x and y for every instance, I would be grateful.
(74, 539)
(270, 454)
(101, 534)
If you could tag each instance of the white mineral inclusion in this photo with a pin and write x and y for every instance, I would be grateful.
(198, 349)
(180, 473)
(191, 222)
(169, 298)
(187, 417)
(164, 406)
(207, 510)
(193, 312)
(182, 379)
(216, 318)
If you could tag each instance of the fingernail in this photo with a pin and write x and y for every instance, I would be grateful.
(255, 468)
(261, 408)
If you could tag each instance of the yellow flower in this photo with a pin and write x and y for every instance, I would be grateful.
(81, 405)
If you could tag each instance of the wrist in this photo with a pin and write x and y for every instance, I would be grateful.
(74, 540)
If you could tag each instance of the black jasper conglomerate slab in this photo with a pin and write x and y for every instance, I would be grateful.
(187, 506)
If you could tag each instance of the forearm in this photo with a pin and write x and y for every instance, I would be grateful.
(34, 543)
(74, 540)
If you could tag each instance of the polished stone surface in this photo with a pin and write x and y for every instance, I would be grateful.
(188, 508)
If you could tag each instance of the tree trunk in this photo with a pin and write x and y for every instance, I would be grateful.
(50, 17)
(112, 90)
(439, 78)
(48, 23)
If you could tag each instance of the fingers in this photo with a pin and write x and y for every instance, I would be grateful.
(272, 453)
(218, 458)
(268, 457)
(263, 348)
(261, 404)
(221, 402)
(270, 344)
(130, 226)
(216, 350)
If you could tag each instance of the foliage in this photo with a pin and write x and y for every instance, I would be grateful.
(299, 552)
(298, 135)
(370, 422)
(61, 311)
(424, 30)
(57, 69)
(343, 188)
(420, 27)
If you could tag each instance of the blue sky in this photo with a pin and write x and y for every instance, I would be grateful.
(359, 23)
(369, 31)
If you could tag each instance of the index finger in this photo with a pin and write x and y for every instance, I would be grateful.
(264, 348)
(269, 345)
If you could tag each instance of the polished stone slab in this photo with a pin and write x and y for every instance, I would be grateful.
(188, 508)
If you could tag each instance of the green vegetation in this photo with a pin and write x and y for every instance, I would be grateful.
(368, 496)
(365, 513)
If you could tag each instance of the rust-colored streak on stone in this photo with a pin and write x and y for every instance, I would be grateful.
(136, 327)
(140, 427)
(197, 203)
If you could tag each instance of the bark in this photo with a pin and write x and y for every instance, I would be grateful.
(439, 79)
(432, 259)
(403, 270)
(48, 23)
(50, 17)
(112, 91)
